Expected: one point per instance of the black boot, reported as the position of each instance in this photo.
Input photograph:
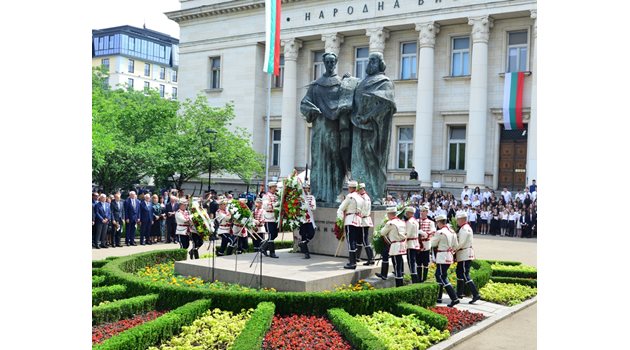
(415, 278)
(196, 253)
(352, 262)
(307, 255)
(384, 270)
(460, 288)
(190, 253)
(440, 292)
(272, 250)
(452, 294)
(474, 291)
(229, 250)
(359, 249)
(263, 248)
(370, 256)
(399, 282)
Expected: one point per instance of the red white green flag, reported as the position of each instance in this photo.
(272, 37)
(513, 101)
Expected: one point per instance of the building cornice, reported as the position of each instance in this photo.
(218, 9)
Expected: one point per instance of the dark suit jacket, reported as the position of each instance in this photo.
(169, 208)
(146, 212)
(131, 213)
(101, 211)
(118, 214)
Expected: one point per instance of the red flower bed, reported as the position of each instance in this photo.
(303, 332)
(108, 330)
(458, 319)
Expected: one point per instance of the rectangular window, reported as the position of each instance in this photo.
(408, 61)
(146, 86)
(111, 41)
(161, 90)
(174, 76)
(275, 147)
(405, 147)
(215, 72)
(318, 64)
(132, 47)
(130, 68)
(147, 69)
(162, 73)
(360, 61)
(130, 83)
(517, 51)
(278, 81)
(105, 62)
(460, 57)
(174, 93)
(457, 148)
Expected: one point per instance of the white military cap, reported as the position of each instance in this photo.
(183, 201)
(272, 183)
(362, 185)
(461, 215)
(279, 184)
(440, 217)
(424, 208)
(410, 209)
(391, 210)
(259, 200)
(352, 184)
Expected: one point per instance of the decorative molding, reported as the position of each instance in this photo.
(218, 9)
(481, 28)
(451, 113)
(498, 113)
(291, 48)
(428, 32)
(377, 36)
(332, 42)
(534, 15)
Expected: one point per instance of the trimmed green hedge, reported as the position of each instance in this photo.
(433, 319)
(523, 281)
(125, 308)
(161, 329)
(99, 263)
(356, 333)
(97, 271)
(504, 262)
(122, 271)
(252, 336)
(110, 258)
(108, 293)
(98, 281)
(480, 274)
(507, 272)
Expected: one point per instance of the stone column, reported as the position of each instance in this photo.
(332, 42)
(478, 103)
(423, 134)
(532, 132)
(377, 38)
(289, 106)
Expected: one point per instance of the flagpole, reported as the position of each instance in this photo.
(268, 131)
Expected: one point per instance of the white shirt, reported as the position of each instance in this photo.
(475, 204)
(520, 196)
(472, 216)
(507, 196)
(486, 195)
(465, 192)
(512, 217)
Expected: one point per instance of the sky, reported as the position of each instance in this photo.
(136, 13)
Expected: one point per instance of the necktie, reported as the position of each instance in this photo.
(133, 202)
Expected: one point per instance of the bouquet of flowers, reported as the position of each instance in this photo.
(291, 213)
(241, 215)
(338, 229)
(201, 221)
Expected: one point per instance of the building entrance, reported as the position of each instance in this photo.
(512, 159)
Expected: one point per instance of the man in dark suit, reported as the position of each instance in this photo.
(132, 217)
(94, 239)
(146, 220)
(171, 225)
(103, 216)
(118, 216)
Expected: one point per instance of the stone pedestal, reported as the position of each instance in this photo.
(325, 242)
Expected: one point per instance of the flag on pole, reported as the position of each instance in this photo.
(272, 37)
(513, 101)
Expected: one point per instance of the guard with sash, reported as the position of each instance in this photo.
(445, 242)
(393, 234)
(413, 245)
(307, 228)
(427, 230)
(259, 224)
(464, 254)
(241, 234)
(366, 223)
(271, 221)
(224, 219)
(350, 212)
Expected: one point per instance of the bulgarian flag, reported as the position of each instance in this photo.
(272, 37)
(513, 101)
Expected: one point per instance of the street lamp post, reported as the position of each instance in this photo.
(214, 135)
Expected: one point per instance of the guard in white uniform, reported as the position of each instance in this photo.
(464, 254)
(445, 242)
(271, 221)
(427, 230)
(307, 228)
(259, 224)
(224, 219)
(183, 220)
(350, 212)
(413, 245)
(366, 223)
(393, 234)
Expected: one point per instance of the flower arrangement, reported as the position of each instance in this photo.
(241, 214)
(506, 293)
(298, 332)
(290, 208)
(458, 319)
(361, 285)
(214, 330)
(338, 229)
(201, 221)
(108, 330)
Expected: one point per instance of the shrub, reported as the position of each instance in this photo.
(98, 281)
(252, 336)
(523, 281)
(354, 331)
(503, 262)
(97, 271)
(99, 263)
(506, 294)
(158, 330)
(105, 293)
(520, 271)
(124, 308)
(431, 318)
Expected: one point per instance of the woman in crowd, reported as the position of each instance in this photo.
(157, 218)
(495, 222)
(163, 221)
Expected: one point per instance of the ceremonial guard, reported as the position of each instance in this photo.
(445, 242)
(259, 224)
(464, 254)
(271, 221)
(350, 212)
(413, 245)
(366, 223)
(393, 234)
(240, 233)
(224, 219)
(182, 218)
(307, 228)
(427, 230)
